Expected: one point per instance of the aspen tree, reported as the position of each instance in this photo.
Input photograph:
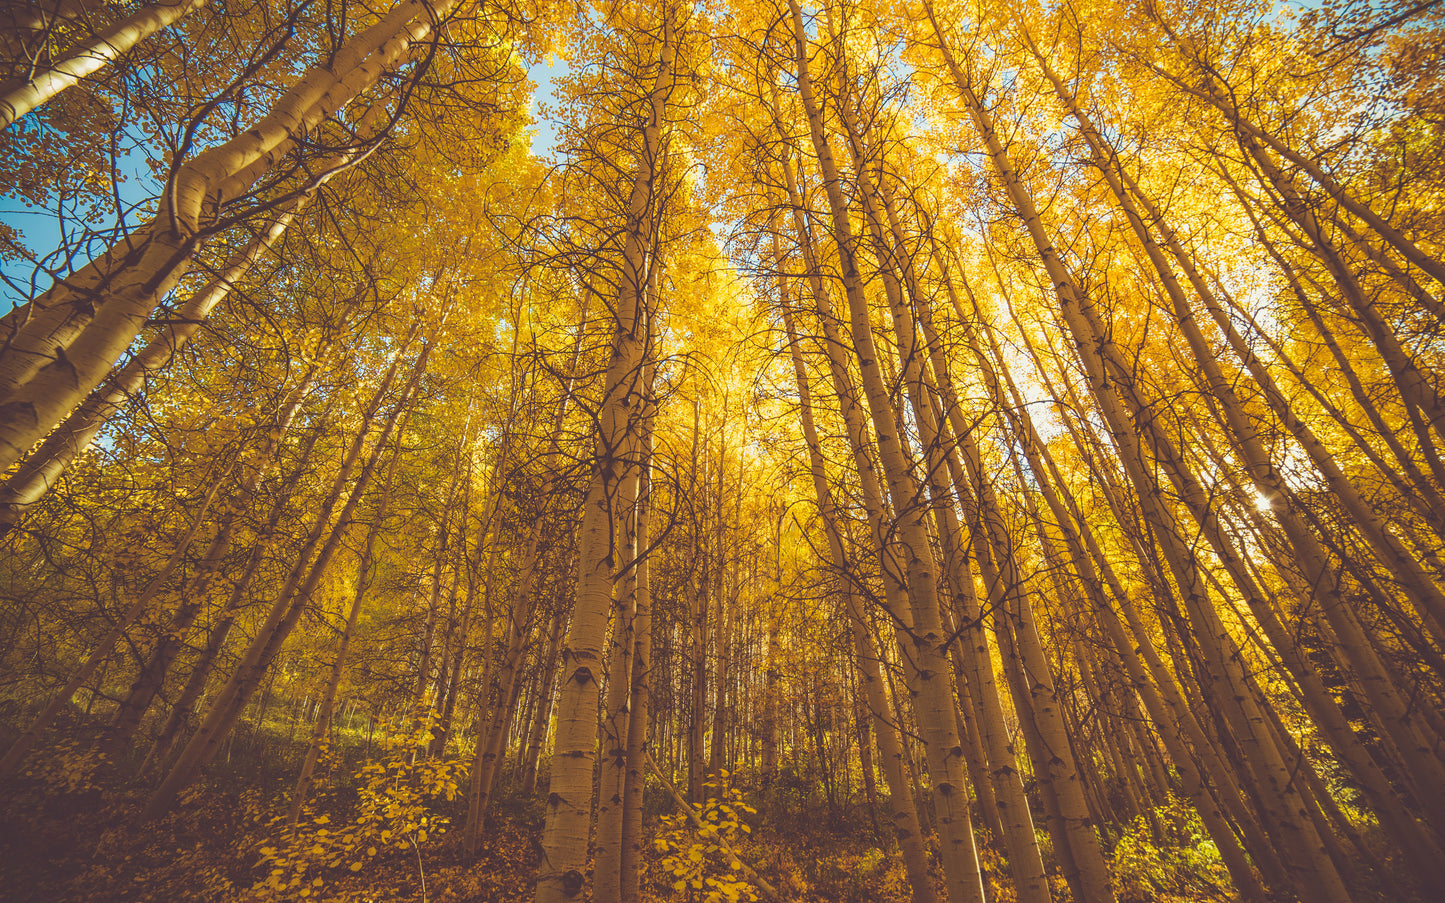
(293, 597)
(640, 693)
(536, 736)
(90, 57)
(444, 534)
(180, 714)
(61, 344)
(906, 826)
(20, 748)
(45, 466)
(615, 728)
(322, 728)
(1318, 570)
(1238, 786)
(520, 605)
(570, 804)
(928, 663)
(699, 641)
(1025, 858)
(193, 592)
(1168, 709)
(890, 569)
(1312, 871)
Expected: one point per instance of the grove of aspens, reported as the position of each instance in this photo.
(947, 451)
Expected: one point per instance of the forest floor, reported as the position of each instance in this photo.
(70, 833)
(88, 844)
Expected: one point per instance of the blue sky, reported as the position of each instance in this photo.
(545, 141)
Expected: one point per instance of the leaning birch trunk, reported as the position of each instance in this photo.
(1025, 857)
(926, 661)
(895, 594)
(89, 58)
(1167, 709)
(45, 466)
(854, 419)
(289, 603)
(322, 727)
(179, 718)
(569, 809)
(906, 828)
(1423, 767)
(998, 562)
(1311, 871)
(59, 346)
(193, 592)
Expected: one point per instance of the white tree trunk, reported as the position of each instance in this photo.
(61, 345)
(90, 57)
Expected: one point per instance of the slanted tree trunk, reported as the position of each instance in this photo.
(293, 597)
(89, 57)
(536, 738)
(906, 828)
(193, 592)
(321, 730)
(60, 345)
(100, 654)
(926, 662)
(179, 718)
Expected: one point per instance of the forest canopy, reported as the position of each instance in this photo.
(909, 450)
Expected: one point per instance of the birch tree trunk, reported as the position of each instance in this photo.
(48, 463)
(321, 730)
(90, 57)
(906, 828)
(291, 600)
(1310, 869)
(193, 592)
(926, 652)
(570, 804)
(100, 654)
(640, 695)
(60, 345)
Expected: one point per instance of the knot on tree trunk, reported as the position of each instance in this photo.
(572, 883)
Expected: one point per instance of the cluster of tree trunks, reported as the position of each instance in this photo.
(1103, 512)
